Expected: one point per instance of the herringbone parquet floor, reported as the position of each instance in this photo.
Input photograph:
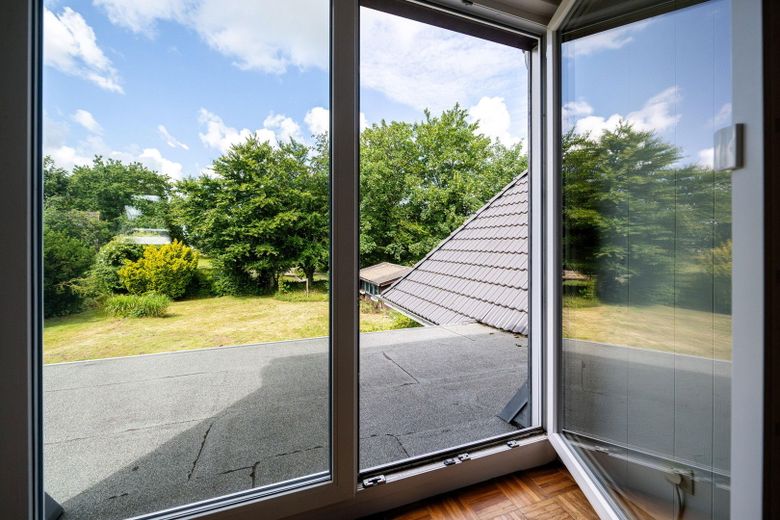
(546, 493)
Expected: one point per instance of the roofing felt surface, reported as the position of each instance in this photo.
(477, 274)
(128, 436)
(383, 272)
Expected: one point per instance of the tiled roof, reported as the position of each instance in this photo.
(477, 274)
(383, 272)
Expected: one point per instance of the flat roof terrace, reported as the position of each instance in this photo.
(129, 436)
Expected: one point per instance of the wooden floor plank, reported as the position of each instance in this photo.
(546, 493)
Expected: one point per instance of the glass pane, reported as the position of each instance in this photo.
(443, 239)
(186, 249)
(647, 261)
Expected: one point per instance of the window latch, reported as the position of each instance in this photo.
(374, 481)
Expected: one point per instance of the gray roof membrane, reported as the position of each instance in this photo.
(477, 274)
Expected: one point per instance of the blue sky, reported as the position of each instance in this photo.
(173, 83)
(670, 74)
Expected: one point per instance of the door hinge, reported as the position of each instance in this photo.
(374, 481)
(463, 457)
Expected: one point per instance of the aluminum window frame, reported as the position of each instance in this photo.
(534, 149)
(747, 280)
(20, 298)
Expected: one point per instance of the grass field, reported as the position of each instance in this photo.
(657, 327)
(200, 323)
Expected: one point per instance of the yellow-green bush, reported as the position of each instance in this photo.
(167, 270)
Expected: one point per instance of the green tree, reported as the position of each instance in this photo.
(55, 180)
(65, 259)
(420, 181)
(264, 211)
(637, 221)
(108, 186)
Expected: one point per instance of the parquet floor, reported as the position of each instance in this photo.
(546, 493)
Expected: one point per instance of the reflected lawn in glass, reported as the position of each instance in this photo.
(651, 327)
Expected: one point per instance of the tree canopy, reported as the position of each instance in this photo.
(634, 218)
(264, 211)
(420, 181)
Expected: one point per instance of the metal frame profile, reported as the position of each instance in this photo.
(20, 274)
(337, 494)
(748, 274)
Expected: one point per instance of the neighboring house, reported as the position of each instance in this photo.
(477, 274)
(150, 237)
(376, 278)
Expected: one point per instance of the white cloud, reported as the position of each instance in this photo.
(265, 36)
(426, 67)
(657, 114)
(169, 139)
(218, 135)
(607, 40)
(87, 120)
(574, 110)
(55, 134)
(277, 128)
(283, 128)
(723, 117)
(494, 119)
(153, 159)
(68, 157)
(707, 158)
(318, 121)
(70, 46)
(140, 15)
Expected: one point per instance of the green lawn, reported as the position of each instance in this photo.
(656, 327)
(201, 323)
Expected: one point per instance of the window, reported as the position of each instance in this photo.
(444, 229)
(647, 261)
(185, 252)
(80, 58)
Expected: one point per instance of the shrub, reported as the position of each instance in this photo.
(401, 321)
(148, 305)
(103, 278)
(167, 270)
(65, 259)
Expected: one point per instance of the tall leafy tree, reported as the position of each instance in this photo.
(263, 212)
(637, 221)
(420, 181)
(108, 186)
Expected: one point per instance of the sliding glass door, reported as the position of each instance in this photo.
(646, 253)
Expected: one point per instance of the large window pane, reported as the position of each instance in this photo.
(443, 239)
(186, 251)
(647, 260)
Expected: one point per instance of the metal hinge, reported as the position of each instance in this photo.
(463, 457)
(374, 481)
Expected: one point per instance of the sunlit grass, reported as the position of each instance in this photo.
(200, 323)
(657, 327)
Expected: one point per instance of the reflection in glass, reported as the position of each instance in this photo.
(647, 261)
(186, 251)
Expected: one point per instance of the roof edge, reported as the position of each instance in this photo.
(457, 230)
